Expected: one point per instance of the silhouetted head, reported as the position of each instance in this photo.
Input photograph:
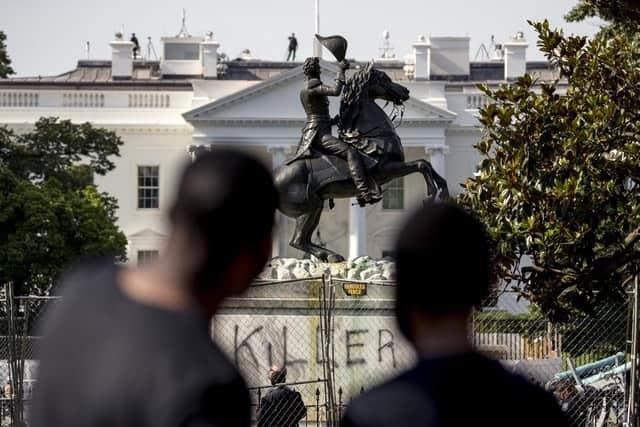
(442, 261)
(223, 215)
(277, 374)
(311, 67)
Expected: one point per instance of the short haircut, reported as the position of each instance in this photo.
(311, 66)
(442, 259)
(278, 375)
(228, 198)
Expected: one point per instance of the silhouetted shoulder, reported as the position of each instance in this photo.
(396, 403)
(542, 407)
(209, 392)
(88, 274)
(84, 284)
(453, 391)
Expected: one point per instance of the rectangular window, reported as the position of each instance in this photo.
(148, 187)
(182, 51)
(147, 256)
(393, 197)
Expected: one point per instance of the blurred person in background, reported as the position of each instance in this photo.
(132, 346)
(443, 272)
(293, 47)
(282, 406)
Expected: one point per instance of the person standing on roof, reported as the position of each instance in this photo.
(293, 47)
(136, 46)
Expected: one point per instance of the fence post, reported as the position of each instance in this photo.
(327, 305)
(325, 342)
(15, 373)
(259, 393)
(317, 407)
(633, 383)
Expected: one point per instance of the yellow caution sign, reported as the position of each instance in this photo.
(355, 289)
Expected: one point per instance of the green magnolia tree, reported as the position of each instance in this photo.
(619, 14)
(558, 186)
(5, 61)
(50, 211)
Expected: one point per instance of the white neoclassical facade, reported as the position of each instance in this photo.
(162, 108)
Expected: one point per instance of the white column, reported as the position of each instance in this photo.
(422, 59)
(279, 248)
(357, 230)
(515, 58)
(121, 59)
(437, 159)
(210, 59)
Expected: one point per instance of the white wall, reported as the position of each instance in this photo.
(155, 133)
(168, 151)
(462, 159)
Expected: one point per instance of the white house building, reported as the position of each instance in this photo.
(162, 108)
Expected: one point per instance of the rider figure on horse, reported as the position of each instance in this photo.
(317, 131)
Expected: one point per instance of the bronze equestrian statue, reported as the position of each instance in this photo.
(367, 154)
(317, 131)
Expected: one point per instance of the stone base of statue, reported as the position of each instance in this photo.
(331, 324)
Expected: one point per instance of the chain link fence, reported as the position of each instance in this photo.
(368, 348)
(283, 324)
(19, 319)
(338, 338)
(584, 362)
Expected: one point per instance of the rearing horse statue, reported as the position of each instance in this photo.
(306, 182)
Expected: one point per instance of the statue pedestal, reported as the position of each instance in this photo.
(291, 317)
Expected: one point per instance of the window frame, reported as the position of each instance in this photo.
(390, 187)
(178, 47)
(143, 187)
(150, 255)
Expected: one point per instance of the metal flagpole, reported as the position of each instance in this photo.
(317, 47)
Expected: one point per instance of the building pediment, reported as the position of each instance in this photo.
(146, 233)
(276, 100)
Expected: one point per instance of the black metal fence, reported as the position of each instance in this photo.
(282, 404)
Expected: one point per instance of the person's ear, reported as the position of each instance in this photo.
(244, 268)
(192, 248)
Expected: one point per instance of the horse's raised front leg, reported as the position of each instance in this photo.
(441, 183)
(436, 185)
(305, 226)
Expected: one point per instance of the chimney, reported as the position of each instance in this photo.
(421, 51)
(450, 56)
(121, 58)
(210, 57)
(515, 57)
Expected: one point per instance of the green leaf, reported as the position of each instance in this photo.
(50, 212)
(556, 180)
